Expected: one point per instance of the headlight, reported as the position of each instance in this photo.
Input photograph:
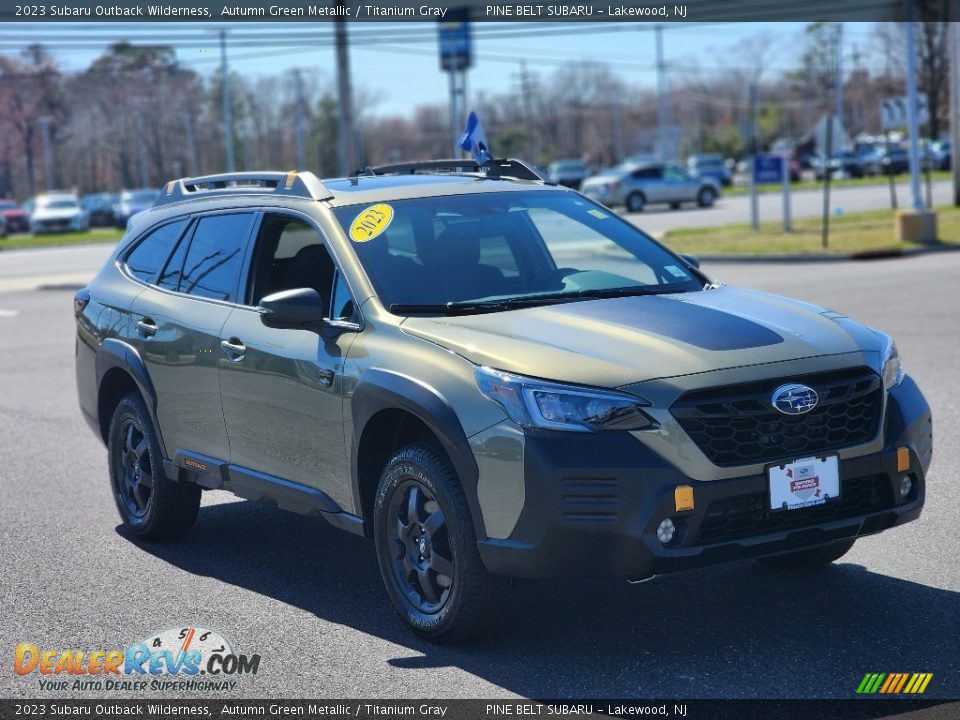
(537, 403)
(890, 367)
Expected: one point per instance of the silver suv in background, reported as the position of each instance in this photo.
(636, 186)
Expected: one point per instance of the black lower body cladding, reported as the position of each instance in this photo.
(594, 503)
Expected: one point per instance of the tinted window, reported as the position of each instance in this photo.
(290, 254)
(212, 266)
(170, 277)
(343, 308)
(151, 252)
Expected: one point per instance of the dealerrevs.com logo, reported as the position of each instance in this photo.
(186, 659)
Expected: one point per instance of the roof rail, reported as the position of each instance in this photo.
(293, 184)
(493, 169)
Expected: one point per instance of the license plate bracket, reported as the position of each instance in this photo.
(804, 482)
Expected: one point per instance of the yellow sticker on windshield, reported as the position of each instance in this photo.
(371, 222)
(598, 214)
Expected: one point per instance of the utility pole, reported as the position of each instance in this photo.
(44, 122)
(838, 49)
(346, 139)
(526, 93)
(955, 109)
(192, 141)
(663, 110)
(227, 108)
(912, 124)
(142, 149)
(754, 200)
(298, 86)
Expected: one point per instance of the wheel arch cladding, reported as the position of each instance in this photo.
(391, 410)
(120, 371)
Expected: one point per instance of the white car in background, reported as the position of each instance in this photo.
(58, 212)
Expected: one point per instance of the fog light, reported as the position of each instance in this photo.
(665, 531)
(906, 485)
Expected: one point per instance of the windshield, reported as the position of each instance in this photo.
(58, 204)
(140, 196)
(426, 253)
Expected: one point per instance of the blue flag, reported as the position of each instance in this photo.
(473, 139)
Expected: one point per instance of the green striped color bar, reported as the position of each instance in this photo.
(865, 683)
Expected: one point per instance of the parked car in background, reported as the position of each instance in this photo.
(847, 162)
(570, 173)
(58, 212)
(3, 227)
(131, 202)
(886, 161)
(636, 186)
(15, 218)
(936, 155)
(100, 208)
(710, 166)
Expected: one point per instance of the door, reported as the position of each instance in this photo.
(177, 329)
(680, 186)
(282, 389)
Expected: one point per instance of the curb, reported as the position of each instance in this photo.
(864, 255)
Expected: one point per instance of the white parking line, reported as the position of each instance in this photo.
(8, 313)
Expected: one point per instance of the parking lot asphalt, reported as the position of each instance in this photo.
(308, 598)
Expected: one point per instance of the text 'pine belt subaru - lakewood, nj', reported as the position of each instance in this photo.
(489, 376)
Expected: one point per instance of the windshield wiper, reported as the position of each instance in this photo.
(466, 307)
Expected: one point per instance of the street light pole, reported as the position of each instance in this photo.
(912, 124)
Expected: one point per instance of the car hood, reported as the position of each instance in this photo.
(621, 341)
(56, 214)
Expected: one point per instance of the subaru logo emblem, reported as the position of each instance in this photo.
(794, 399)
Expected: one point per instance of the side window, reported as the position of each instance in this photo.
(170, 277)
(212, 266)
(148, 256)
(342, 307)
(289, 254)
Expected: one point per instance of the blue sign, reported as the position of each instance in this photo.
(454, 37)
(768, 169)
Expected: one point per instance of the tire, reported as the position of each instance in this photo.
(428, 553)
(636, 202)
(152, 506)
(706, 197)
(807, 559)
(674, 206)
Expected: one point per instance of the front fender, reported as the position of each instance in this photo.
(381, 389)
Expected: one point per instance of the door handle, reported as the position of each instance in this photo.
(325, 377)
(147, 327)
(234, 349)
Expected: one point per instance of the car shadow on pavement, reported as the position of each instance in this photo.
(729, 631)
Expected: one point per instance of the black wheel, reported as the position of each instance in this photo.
(428, 552)
(674, 206)
(807, 559)
(152, 506)
(636, 202)
(706, 197)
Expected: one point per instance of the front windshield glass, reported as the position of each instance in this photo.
(140, 196)
(507, 246)
(59, 204)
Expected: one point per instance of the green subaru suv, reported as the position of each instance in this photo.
(489, 376)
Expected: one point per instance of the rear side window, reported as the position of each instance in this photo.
(150, 253)
(212, 266)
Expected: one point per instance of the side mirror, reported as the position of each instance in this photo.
(691, 261)
(298, 308)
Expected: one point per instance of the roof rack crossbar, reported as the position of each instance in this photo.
(494, 169)
(293, 184)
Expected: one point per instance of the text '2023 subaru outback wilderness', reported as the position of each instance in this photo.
(491, 377)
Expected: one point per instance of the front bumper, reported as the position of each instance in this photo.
(593, 503)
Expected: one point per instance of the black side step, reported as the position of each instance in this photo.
(214, 474)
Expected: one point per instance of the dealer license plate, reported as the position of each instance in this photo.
(803, 483)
